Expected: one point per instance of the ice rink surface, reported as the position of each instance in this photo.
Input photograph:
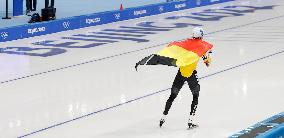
(71, 85)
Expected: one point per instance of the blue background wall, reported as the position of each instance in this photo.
(67, 8)
(42, 28)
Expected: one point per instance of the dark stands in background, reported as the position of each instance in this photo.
(7, 17)
(48, 13)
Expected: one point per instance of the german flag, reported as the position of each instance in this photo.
(184, 54)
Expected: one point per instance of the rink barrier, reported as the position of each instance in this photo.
(76, 22)
(272, 127)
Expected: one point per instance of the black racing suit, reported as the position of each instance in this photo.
(177, 85)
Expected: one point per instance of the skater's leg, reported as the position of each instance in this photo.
(195, 88)
(195, 94)
(177, 85)
(174, 93)
(194, 103)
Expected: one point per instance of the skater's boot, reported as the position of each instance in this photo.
(162, 121)
(190, 122)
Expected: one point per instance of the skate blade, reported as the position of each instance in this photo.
(161, 123)
(193, 127)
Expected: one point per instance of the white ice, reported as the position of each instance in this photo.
(230, 100)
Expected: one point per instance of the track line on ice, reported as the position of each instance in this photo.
(134, 51)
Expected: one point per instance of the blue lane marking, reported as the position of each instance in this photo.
(134, 51)
(91, 61)
(117, 105)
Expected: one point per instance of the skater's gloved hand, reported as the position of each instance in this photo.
(207, 60)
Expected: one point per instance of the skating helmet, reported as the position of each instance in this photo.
(197, 32)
